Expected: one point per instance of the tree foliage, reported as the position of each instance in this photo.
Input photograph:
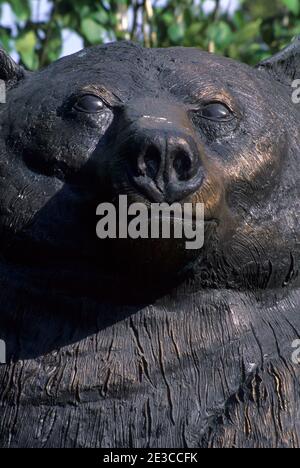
(251, 31)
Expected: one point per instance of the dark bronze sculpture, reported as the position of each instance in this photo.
(141, 343)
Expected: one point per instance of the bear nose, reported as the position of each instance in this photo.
(164, 166)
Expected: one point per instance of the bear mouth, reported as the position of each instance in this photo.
(62, 238)
(137, 268)
(29, 248)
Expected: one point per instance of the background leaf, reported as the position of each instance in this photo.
(253, 30)
(25, 45)
(91, 30)
(21, 8)
(292, 5)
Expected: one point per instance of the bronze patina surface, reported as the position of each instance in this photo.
(142, 343)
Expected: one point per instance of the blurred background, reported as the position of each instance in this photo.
(36, 32)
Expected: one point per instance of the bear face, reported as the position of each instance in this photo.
(156, 125)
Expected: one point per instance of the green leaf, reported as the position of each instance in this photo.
(195, 28)
(101, 17)
(238, 19)
(25, 46)
(292, 5)
(5, 37)
(220, 33)
(54, 45)
(21, 9)
(91, 30)
(249, 32)
(296, 30)
(168, 18)
(68, 21)
(176, 32)
(82, 10)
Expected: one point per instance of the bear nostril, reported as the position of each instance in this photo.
(152, 162)
(182, 164)
(163, 166)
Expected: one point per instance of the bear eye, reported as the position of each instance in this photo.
(89, 103)
(217, 111)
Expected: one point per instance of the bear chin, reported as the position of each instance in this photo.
(99, 267)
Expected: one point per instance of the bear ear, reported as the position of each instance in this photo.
(9, 70)
(284, 66)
